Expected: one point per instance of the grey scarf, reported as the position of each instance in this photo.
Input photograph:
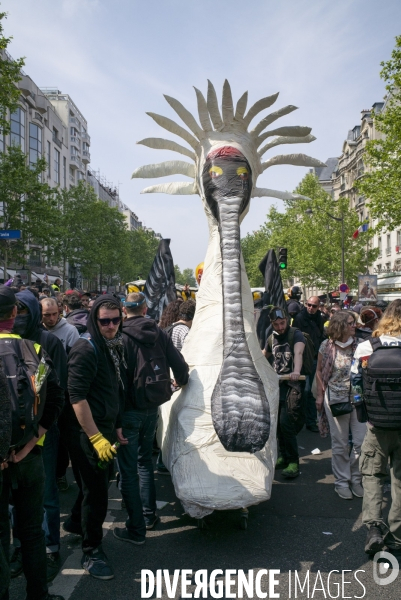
(116, 349)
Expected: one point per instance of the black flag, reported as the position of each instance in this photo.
(273, 282)
(160, 285)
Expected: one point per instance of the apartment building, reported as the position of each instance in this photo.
(350, 169)
(78, 139)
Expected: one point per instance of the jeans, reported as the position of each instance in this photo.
(310, 402)
(136, 468)
(286, 433)
(379, 445)
(51, 521)
(25, 482)
(95, 487)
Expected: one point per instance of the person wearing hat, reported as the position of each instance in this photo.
(96, 380)
(23, 474)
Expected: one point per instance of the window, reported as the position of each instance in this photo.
(17, 136)
(388, 247)
(64, 171)
(398, 238)
(35, 144)
(49, 159)
(56, 166)
(379, 245)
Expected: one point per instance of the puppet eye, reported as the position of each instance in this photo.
(215, 172)
(242, 172)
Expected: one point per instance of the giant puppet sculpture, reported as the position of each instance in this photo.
(160, 284)
(219, 432)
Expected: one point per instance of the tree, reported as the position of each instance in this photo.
(10, 74)
(26, 204)
(382, 183)
(186, 276)
(143, 249)
(313, 241)
(254, 247)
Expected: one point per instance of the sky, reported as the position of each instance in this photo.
(116, 59)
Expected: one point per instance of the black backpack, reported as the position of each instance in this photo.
(382, 385)
(26, 376)
(151, 383)
(169, 330)
(308, 356)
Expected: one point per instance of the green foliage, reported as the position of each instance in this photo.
(313, 241)
(27, 203)
(382, 183)
(186, 276)
(10, 74)
(143, 249)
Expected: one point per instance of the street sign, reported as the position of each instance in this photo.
(343, 295)
(344, 288)
(10, 234)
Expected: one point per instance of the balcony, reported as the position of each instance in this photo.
(76, 162)
(57, 141)
(86, 137)
(72, 178)
(74, 121)
(75, 141)
(388, 250)
(342, 188)
(36, 262)
(86, 157)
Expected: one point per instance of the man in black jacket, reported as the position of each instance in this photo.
(96, 373)
(311, 321)
(24, 476)
(140, 419)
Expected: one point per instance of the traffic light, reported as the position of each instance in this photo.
(282, 258)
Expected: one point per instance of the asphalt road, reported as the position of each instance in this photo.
(304, 527)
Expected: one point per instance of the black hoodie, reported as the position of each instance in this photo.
(92, 375)
(141, 330)
(313, 325)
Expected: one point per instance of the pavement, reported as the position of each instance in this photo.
(304, 528)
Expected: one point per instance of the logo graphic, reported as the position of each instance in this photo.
(388, 565)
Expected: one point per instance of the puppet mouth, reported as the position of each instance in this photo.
(240, 409)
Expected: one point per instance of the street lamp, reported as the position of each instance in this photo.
(309, 211)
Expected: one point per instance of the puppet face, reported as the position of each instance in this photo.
(226, 174)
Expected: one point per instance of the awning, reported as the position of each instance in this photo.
(51, 278)
(389, 285)
(10, 273)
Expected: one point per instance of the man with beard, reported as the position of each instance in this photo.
(286, 347)
(311, 321)
(96, 380)
(57, 324)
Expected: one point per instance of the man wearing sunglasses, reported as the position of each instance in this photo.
(311, 321)
(286, 347)
(96, 380)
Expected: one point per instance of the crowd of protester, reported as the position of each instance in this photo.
(102, 349)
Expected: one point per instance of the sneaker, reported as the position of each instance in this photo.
(344, 492)
(291, 471)
(162, 470)
(72, 527)
(96, 564)
(374, 540)
(313, 428)
(62, 483)
(16, 563)
(281, 463)
(53, 565)
(122, 533)
(357, 490)
(151, 521)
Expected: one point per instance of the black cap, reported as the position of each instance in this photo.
(7, 298)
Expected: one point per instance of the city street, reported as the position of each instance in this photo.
(304, 527)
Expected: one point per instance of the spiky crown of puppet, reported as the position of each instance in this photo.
(224, 129)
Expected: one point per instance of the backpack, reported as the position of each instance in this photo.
(308, 356)
(382, 385)
(169, 330)
(151, 381)
(26, 376)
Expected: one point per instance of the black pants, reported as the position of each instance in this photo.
(286, 431)
(25, 482)
(95, 486)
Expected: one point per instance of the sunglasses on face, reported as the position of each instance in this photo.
(106, 322)
(312, 305)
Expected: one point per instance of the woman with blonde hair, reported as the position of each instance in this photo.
(383, 437)
(333, 397)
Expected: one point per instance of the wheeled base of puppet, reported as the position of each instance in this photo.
(243, 520)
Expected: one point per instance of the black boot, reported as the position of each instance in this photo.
(374, 540)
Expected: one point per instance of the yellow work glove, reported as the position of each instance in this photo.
(104, 449)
